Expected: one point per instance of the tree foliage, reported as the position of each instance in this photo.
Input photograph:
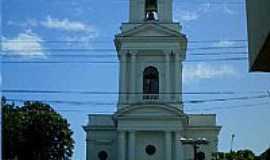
(265, 155)
(236, 155)
(35, 131)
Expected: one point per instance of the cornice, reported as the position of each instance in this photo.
(98, 127)
(215, 128)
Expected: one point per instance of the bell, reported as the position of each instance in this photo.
(151, 5)
(151, 16)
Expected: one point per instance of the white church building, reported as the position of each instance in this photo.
(150, 121)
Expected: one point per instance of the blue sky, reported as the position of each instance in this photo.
(47, 25)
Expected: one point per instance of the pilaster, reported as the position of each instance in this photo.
(167, 77)
(168, 145)
(131, 145)
(123, 78)
(132, 93)
(121, 145)
(179, 150)
(177, 77)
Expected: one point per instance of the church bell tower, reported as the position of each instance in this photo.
(151, 49)
(150, 10)
(149, 122)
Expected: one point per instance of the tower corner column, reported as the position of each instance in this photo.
(121, 145)
(179, 150)
(133, 78)
(131, 145)
(177, 78)
(167, 78)
(168, 145)
(123, 78)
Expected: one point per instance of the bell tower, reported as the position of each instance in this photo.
(149, 122)
(151, 49)
(150, 10)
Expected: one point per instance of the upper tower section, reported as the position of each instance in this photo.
(143, 11)
(150, 48)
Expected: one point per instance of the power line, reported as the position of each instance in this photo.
(246, 106)
(112, 55)
(110, 49)
(107, 41)
(165, 102)
(191, 2)
(115, 62)
(32, 91)
(187, 110)
(231, 107)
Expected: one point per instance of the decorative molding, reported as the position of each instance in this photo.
(101, 141)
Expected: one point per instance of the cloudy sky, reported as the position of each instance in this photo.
(43, 30)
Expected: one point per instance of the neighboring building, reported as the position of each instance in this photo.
(149, 121)
(258, 18)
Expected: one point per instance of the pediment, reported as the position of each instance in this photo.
(150, 30)
(149, 111)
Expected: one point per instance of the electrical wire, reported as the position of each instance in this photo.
(32, 91)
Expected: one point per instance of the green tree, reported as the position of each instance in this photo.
(245, 155)
(235, 155)
(35, 131)
(265, 155)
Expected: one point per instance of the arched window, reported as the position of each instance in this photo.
(102, 155)
(151, 10)
(150, 83)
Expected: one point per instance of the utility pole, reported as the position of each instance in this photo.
(195, 143)
(233, 136)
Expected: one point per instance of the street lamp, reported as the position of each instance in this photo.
(233, 136)
(195, 144)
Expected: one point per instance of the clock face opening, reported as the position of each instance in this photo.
(150, 149)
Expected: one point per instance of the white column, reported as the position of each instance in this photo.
(179, 150)
(123, 80)
(121, 145)
(131, 145)
(168, 145)
(167, 78)
(88, 151)
(133, 77)
(177, 78)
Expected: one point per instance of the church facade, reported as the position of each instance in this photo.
(150, 121)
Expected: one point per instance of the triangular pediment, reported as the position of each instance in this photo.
(150, 30)
(149, 111)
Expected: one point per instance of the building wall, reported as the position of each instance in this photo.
(101, 140)
(258, 24)
(202, 132)
(154, 138)
(102, 135)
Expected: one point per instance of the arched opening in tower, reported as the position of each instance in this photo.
(151, 10)
(150, 83)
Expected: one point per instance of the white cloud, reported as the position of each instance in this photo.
(224, 44)
(67, 25)
(27, 23)
(25, 44)
(191, 15)
(84, 41)
(206, 71)
(55, 23)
